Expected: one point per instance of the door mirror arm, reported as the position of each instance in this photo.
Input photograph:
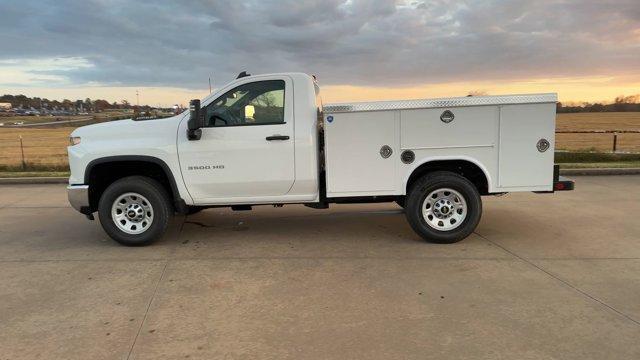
(196, 121)
(194, 134)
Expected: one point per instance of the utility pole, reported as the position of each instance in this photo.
(24, 163)
(137, 99)
(209, 84)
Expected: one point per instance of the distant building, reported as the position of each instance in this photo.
(5, 106)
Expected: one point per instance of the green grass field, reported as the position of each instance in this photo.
(15, 174)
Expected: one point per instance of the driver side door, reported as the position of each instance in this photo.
(246, 151)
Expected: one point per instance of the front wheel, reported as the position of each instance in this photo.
(134, 211)
(443, 207)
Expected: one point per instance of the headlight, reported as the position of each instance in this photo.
(74, 140)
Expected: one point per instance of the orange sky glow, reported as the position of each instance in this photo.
(579, 89)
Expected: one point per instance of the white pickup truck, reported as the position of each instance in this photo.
(267, 140)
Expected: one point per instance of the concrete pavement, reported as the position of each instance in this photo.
(544, 276)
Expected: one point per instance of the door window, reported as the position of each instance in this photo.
(256, 103)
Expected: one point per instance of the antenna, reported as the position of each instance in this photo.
(209, 84)
(243, 74)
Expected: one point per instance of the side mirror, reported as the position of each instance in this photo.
(195, 123)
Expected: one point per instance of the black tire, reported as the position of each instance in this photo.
(440, 180)
(156, 196)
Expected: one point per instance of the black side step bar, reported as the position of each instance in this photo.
(241, 207)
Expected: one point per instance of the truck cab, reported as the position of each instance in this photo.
(266, 139)
(257, 143)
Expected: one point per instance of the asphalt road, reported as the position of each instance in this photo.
(544, 276)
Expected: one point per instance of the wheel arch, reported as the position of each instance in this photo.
(468, 167)
(101, 172)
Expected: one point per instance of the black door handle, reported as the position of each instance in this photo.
(277, 137)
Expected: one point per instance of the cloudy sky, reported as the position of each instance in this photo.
(359, 49)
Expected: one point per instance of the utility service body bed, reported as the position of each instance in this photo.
(372, 148)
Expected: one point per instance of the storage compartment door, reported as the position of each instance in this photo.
(352, 151)
(521, 163)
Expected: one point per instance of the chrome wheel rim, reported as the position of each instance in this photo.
(444, 209)
(132, 213)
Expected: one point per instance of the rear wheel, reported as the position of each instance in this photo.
(134, 211)
(443, 207)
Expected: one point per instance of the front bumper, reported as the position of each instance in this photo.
(79, 198)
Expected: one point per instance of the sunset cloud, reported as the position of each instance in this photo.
(364, 43)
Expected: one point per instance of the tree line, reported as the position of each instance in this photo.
(25, 102)
(620, 104)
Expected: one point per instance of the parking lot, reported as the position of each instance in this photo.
(544, 276)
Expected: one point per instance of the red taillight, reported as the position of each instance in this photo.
(559, 186)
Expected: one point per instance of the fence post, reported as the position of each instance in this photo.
(615, 142)
(24, 164)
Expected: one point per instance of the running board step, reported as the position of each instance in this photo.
(241, 207)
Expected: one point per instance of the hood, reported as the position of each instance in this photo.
(128, 128)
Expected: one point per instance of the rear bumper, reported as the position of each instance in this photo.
(79, 198)
(561, 183)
